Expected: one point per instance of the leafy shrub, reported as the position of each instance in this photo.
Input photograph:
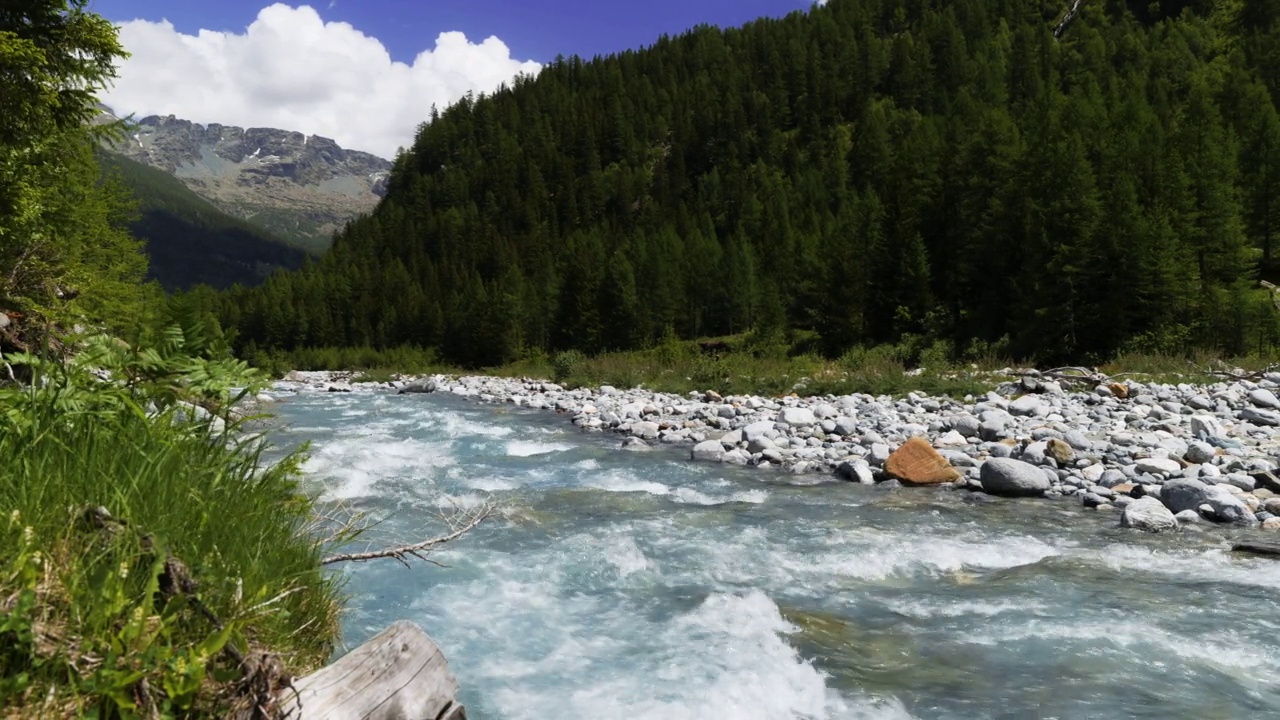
(102, 620)
(564, 364)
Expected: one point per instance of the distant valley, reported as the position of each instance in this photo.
(190, 241)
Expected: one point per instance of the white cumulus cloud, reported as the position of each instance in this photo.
(290, 69)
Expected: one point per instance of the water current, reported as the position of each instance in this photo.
(637, 584)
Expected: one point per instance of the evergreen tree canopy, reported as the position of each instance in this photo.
(864, 170)
(64, 251)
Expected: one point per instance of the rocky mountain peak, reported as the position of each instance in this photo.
(181, 146)
(299, 186)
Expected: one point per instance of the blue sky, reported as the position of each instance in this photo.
(367, 72)
(532, 29)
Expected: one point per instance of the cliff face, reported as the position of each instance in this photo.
(302, 188)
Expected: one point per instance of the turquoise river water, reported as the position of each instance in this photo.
(622, 584)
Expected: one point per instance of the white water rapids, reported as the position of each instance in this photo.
(624, 584)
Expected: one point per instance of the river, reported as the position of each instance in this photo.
(636, 584)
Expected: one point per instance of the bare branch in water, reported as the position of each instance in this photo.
(460, 522)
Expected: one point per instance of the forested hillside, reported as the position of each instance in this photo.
(191, 242)
(869, 169)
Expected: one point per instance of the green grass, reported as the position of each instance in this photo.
(744, 365)
(376, 363)
(1196, 368)
(681, 367)
(86, 624)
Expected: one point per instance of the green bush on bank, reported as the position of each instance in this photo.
(775, 366)
(763, 365)
(406, 359)
(96, 619)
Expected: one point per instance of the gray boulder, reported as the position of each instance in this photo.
(1148, 514)
(1180, 495)
(858, 471)
(1200, 452)
(1227, 507)
(709, 451)
(1006, 476)
(967, 425)
(1077, 440)
(846, 426)
(1206, 428)
(1270, 418)
(1240, 480)
(991, 430)
(1264, 398)
(649, 431)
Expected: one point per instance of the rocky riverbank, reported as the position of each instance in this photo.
(1159, 455)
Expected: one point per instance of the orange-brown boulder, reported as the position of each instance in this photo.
(917, 463)
(1119, 390)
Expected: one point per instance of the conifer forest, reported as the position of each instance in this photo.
(1059, 182)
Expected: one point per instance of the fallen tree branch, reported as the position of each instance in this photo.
(1233, 375)
(461, 523)
(1068, 374)
(1094, 377)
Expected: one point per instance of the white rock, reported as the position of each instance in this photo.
(879, 453)
(1093, 473)
(846, 426)
(1159, 466)
(1189, 517)
(1206, 427)
(797, 417)
(1148, 514)
(757, 429)
(1027, 405)
(648, 430)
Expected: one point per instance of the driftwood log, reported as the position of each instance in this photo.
(398, 675)
(1257, 548)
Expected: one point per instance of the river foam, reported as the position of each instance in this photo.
(616, 584)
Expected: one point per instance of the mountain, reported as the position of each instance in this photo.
(987, 176)
(297, 187)
(188, 240)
